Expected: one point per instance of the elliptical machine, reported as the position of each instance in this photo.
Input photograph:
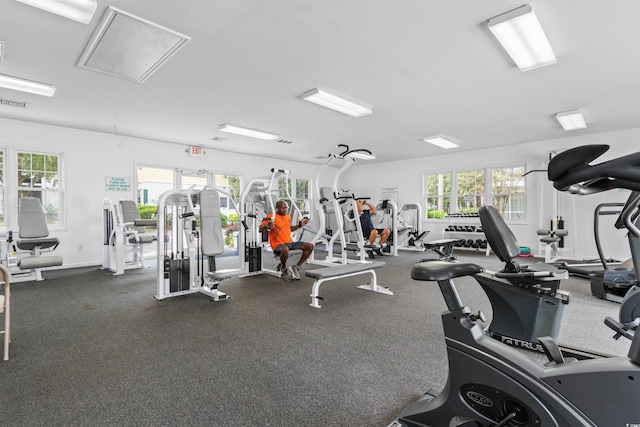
(493, 384)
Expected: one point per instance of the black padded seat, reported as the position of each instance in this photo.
(443, 270)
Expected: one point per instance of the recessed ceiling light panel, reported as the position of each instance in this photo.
(23, 85)
(238, 130)
(361, 154)
(129, 47)
(441, 142)
(77, 10)
(521, 35)
(571, 120)
(334, 102)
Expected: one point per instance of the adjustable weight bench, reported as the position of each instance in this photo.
(325, 274)
(443, 247)
(551, 240)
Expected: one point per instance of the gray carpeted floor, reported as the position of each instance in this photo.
(92, 349)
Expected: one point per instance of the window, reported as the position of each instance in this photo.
(438, 195)
(507, 192)
(465, 192)
(39, 177)
(231, 184)
(470, 191)
(229, 216)
(152, 182)
(299, 190)
(302, 196)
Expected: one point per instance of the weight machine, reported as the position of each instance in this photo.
(341, 207)
(189, 239)
(406, 230)
(410, 234)
(34, 240)
(124, 236)
(257, 203)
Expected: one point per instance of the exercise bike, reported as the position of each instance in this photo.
(493, 384)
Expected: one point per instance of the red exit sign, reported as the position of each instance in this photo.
(195, 151)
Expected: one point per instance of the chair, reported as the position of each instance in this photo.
(4, 307)
(34, 237)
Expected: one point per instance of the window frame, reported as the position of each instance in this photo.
(480, 197)
(426, 197)
(523, 193)
(487, 194)
(16, 189)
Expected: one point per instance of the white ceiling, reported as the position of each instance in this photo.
(425, 67)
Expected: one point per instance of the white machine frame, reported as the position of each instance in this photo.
(348, 208)
(253, 217)
(23, 258)
(178, 236)
(118, 253)
(5, 306)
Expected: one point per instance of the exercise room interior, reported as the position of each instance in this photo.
(145, 144)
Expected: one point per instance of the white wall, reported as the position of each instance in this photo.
(406, 175)
(89, 157)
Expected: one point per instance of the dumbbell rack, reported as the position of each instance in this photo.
(468, 230)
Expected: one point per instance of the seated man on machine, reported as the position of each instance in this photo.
(369, 231)
(280, 229)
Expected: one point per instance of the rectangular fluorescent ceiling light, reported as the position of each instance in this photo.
(522, 37)
(326, 99)
(360, 155)
(16, 83)
(78, 10)
(128, 47)
(441, 142)
(247, 132)
(571, 120)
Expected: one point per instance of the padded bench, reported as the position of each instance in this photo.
(443, 247)
(340, 271)
(31, 263)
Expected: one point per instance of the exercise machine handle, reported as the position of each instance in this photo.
(630, 213)
(525, 274)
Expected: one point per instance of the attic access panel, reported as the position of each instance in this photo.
(129, 47)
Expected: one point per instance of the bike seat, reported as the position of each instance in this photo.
(443, 270)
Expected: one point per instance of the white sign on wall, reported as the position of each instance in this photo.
(116, 183)
(390, 193)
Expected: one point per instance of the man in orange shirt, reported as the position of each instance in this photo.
(280, 229)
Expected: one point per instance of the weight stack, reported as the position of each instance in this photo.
(178, 275)
(253, 255)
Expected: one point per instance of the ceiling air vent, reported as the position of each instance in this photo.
(10, 103)
(129, 47)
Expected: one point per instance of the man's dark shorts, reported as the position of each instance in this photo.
(291, 246)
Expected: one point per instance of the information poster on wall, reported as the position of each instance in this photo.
(117, 183)
(390, 193)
